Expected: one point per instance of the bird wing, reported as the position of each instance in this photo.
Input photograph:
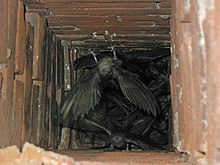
(84, 62)
(136, 91)
(83, 97)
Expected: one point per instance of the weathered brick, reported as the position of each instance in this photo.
(20, 50)
(9, 155)
(34, 113)
(28, 82)
(39, 25)
(3, 30)
(31, 153)
(18, 113)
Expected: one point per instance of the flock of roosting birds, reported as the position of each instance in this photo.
(121, 102)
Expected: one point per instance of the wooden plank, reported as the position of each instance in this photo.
(2, 107)
(92, 18)
(49, 117)
(52, 115)
(40, 116)
(59, 96)
(42, 104)
(18, 113)
(31, 1)
(116, 29)
(72, 58)
(60, 92)
(120, 31)
(34, 113)
(39, 25)
(101, 1)
(8, 92)
(20, 40)
(55, 126)
(129, 37)
(47, 123)
(107, 23)
(83, 5)
(152, 43)
(72, 26)
(106, 12)
(8, 73)
(49, 58)
(28, 82)
(59, 65)
(67, 71)
(1, 81)
(3, 30)
(54, 106)
(12, 24)
(2, 103)
(213, 82)
(105, 46)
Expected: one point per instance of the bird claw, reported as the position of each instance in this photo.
(94, 55)
(112, 148)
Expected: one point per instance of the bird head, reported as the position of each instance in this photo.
(105, 68)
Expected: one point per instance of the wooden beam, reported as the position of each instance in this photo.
(102, 31)
(8, 73)
(3, 30)
(106, 11)
(28, 82)
(20, 40)
(93, 25)
(39, 25)
(92, 5)
(94, 1)
(102, 18)
(120, 36)
(18, 113)
(34, 113)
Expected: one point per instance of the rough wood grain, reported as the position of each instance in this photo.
(8, 73)
(28, 82)
(39, 25)
(20, 51)
(34, 113)
(2, 107)
(3, 30)
(71, 17)
(18, 113)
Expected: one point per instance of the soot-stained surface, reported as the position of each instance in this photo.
(134, 158)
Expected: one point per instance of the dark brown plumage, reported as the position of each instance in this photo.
(86, 93)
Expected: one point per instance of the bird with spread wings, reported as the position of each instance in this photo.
(86, 93)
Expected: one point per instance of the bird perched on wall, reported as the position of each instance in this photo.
(105, 69)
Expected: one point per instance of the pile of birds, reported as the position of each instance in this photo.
(121, 102)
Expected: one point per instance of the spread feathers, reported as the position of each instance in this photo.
(86, 93)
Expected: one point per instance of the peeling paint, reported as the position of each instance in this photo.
(178, 143)
(176, 62)
(9, 53)
(176, 128)
(180, 93)
(175, 59)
